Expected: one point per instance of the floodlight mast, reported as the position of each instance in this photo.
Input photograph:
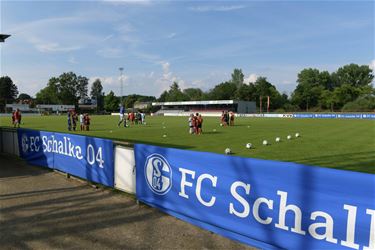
(121, 80)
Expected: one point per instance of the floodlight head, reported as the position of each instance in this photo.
(121, 68)
(3, 37)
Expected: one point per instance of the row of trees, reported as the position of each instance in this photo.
(229, 90)
(349, 88)
(338, 90)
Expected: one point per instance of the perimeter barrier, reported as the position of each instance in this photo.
(262, 203)
(313, 115)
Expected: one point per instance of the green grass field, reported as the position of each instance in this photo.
(335, 143)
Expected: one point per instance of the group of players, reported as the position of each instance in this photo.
(227, 118)
(84, 120)
(195, 124)
(16, 118)
(131, 118)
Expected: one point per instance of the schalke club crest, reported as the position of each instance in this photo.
(158, 174)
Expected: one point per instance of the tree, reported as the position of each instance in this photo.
(223, 91)
(71, 88)
(68, 88)
(24, 96)
(237, 77)
(354, 75)
(163, 96)
(264, 88)
(130, 100)
(49, 94)
(328, 100)
(346, 93)
(8, 91)
(246, 92)
(97, 93)
(361, 104)
(175, 94)
(325, 80)
(111, 102)
(309, 88)
(193, 94)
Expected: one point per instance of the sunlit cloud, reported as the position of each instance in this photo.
(221, 8)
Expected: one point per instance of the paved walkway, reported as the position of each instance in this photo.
(41, 209)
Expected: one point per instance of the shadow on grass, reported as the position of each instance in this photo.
(355, 161)
(160, 144)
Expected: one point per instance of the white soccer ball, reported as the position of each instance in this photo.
(110, 131)
(277, 139)
(265, 142)
(289, 137)
(249, 145)
(164, 127)
(228, 151)
(297, 134)
(214, 130)
(221, 124)
(164, 136)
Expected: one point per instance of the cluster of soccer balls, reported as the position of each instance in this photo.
(265, 143)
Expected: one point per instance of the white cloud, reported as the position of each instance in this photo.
(49, 35)
(110, 52)
(171, 35)
(124, 79)
(72, 60)
(168, 78)
(372, 65)
(134, 2)
(221, 8)
(251, 78)
(51, 46)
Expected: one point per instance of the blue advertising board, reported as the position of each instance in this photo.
(86, 157)
(325, 116)
(266, 204)
(349, 116)
(333, 116)
(303, 115)
(31, 147)
(368, 116)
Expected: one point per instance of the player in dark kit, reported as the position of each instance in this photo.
(199, 124)
(69, 120)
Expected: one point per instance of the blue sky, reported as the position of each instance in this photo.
(197, 43)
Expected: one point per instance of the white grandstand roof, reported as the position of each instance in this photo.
(194, 103)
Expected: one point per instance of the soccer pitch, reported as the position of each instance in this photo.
(335, 143)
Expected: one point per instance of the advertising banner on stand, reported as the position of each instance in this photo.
(266, 204)
(82, 156)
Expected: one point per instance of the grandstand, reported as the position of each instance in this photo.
(208, 108)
